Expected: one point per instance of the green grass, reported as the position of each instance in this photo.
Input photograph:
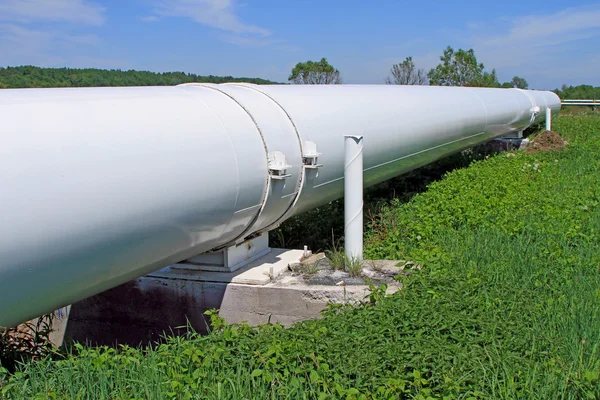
(340, 261)
(354, 266)
(337, 259)
(506, 305)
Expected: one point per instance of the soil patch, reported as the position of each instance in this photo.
(546, 141)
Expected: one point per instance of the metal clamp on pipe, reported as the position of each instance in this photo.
(278, 165)
(311, 155)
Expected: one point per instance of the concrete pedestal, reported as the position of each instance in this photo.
(140, 311)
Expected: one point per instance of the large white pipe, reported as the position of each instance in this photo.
(102, 185)
(353, 197)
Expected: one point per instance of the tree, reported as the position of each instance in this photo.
(515, 83)
(315, 73)
(461, 68)
(406, 73)
(519, 83)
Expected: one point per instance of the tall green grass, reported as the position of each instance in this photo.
(506, 305)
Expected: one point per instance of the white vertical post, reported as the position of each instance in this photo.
(548, 119)
(353, 197)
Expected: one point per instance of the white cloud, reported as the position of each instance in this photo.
(78, 11)
(220, 14)
(543, 47)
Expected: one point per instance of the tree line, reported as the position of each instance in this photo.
(36, 77)
(583, 92)
(456, 68)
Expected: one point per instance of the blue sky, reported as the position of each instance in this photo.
(548, 43)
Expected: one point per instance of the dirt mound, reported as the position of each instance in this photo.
(547, 141)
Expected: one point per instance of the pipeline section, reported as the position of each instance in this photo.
(99, 186)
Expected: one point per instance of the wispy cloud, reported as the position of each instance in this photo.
(248, 41)
(376, 70)
(220, 14)
(78, 11)
(85, 40)
(564, 26)
(21, 45)
(99, 62)
(23, 40)
(149, 18)
(540, 45)
(21, 36)
(547, 49)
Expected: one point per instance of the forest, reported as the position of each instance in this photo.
(36, 77)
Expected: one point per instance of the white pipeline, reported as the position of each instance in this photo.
(101, 185)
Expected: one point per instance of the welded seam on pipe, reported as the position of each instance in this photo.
(533, 106)
(485, 112)
(246, 231)
(301, 181)
(237, 171)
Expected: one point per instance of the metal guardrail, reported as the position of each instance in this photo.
(580, 102)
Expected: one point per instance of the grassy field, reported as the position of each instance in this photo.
(506, 305)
